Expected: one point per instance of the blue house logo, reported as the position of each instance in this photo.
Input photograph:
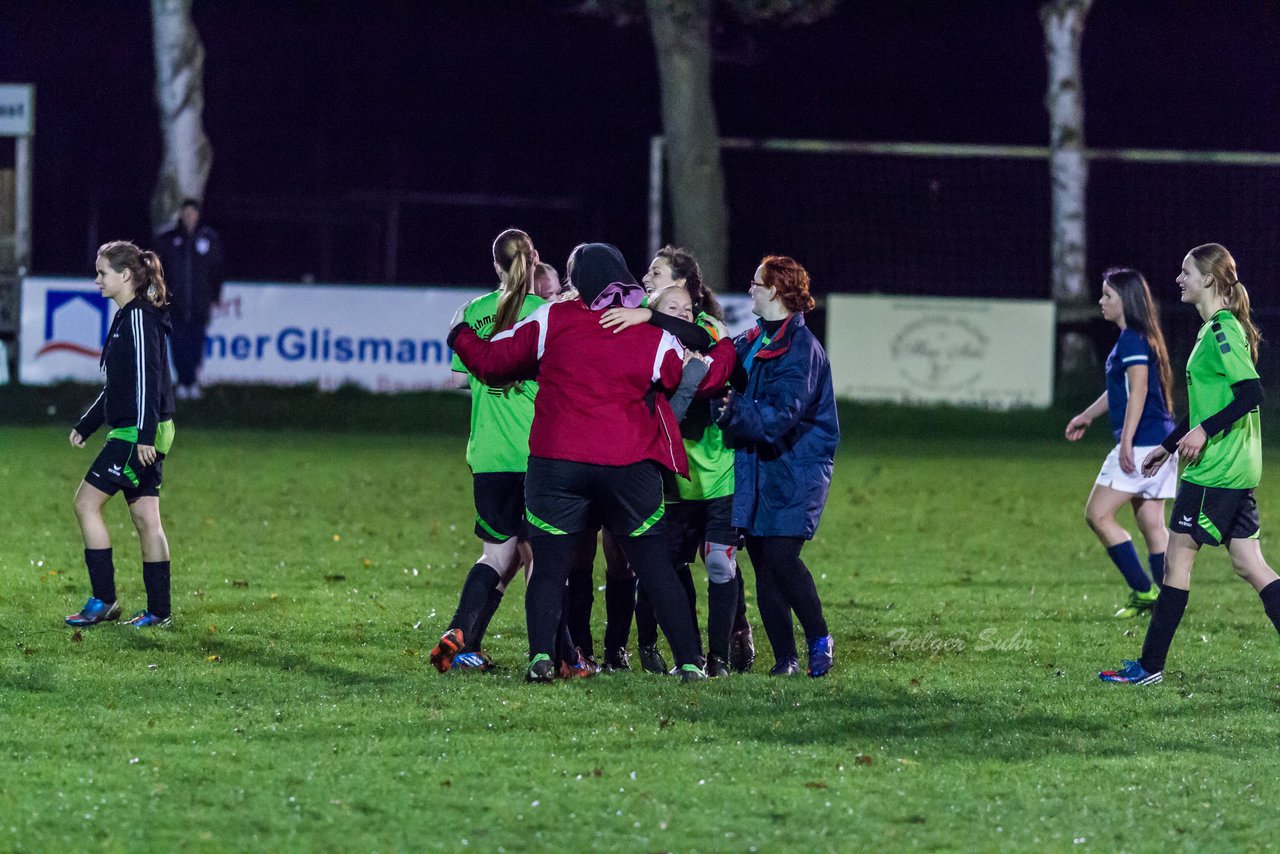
(75, 322)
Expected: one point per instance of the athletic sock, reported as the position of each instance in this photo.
(155, 577)
(722, 601)
(1270, 596)
(1165, 616)
(1125, 557)
(685, 574)
(740, 618)
(579, 597)
(1156, 562)
(481, 581)
(481, 625)
(102, 573)
(646, 622)
(619, 607)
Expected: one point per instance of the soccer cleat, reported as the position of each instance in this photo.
(1133, 673)
(1139, 602)
(147, 620)
(94, 611)
(541, 669)
(616, 659)
(822, 654)
(786, 667)
(716, 666)
(576, 667)
(742, 650)
(651, 660)
(442, 655)
(692, 673)
(476, 662)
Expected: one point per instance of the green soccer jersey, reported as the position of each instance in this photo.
(1220, 359)
(710, 462)
(500, 417)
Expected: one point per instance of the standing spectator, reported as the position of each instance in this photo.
(191, 253)
(781, 420)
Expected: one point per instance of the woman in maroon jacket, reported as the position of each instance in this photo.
(602, 432)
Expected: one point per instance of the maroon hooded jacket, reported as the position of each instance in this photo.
(596, 398)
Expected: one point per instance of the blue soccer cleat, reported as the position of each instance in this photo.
(1132, 673)
(822, 654)
(474, 661)
(94, 611)
(146, 620)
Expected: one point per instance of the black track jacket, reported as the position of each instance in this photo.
(135, 357)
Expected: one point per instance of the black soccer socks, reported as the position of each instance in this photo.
(1166, 614)
(102, 573)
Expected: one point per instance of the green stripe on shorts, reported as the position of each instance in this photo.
(541, 525)
(650, 522)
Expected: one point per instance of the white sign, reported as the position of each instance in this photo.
(380, 338)
(17, 109)
(983, 352)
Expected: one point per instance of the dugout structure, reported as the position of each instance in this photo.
(975, 220)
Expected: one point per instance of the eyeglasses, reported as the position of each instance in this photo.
(756, 284)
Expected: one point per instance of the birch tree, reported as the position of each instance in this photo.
(179, 56)
(1063, 22)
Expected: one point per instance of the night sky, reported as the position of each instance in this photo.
(308, 103)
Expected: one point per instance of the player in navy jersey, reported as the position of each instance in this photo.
(1137, 400)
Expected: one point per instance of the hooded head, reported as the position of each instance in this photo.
(602, 279)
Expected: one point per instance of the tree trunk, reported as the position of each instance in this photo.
(188, 156)
(695, 181)
(1063, 22)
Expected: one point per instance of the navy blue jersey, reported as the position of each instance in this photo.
(1156, 422)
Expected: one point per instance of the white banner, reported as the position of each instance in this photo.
(381, 338)
(17, 109)
(985, 352)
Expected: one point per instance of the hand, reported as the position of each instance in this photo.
(619, 319)
(457, 315)
(1126, 458)
(720, 408)
(1076, 427)
(1192, 445)
(146, 454)
(77, 441)
(1154, 461)
(690, 355)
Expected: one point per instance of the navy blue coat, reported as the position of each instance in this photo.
(783, 426)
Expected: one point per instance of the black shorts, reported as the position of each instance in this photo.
(1213, 516)
(564, 497)
(117, 469)
(691, 523)
(499, 500)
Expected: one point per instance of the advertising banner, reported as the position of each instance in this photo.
(982, 352)
(378, 337)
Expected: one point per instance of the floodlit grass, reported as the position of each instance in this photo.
(292, 706)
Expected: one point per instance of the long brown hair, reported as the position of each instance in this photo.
(1141, 315)
(684, 266)
(1213, 260)
(513, 253)
(143, 265)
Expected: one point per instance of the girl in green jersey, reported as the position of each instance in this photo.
(1223, 452)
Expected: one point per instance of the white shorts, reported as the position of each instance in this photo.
(1163, 485)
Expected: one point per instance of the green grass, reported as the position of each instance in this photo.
(292, 707)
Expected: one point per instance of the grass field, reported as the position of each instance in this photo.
(292, 706)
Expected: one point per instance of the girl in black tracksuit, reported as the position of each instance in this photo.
(137, 404)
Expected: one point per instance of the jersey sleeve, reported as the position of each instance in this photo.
(93, 416)
(508, 356)
(146, 341)
(1233, 349)
(1132, 349)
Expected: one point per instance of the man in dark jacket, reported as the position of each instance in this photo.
(192, 256)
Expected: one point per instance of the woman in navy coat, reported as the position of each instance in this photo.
(781, 419)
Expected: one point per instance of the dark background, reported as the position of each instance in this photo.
(317, 110)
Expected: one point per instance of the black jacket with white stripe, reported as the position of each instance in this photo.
(135, 357)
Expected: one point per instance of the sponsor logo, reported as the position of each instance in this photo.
(941, 353)
(1185, 520)
(75, 322)
(114, 469)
